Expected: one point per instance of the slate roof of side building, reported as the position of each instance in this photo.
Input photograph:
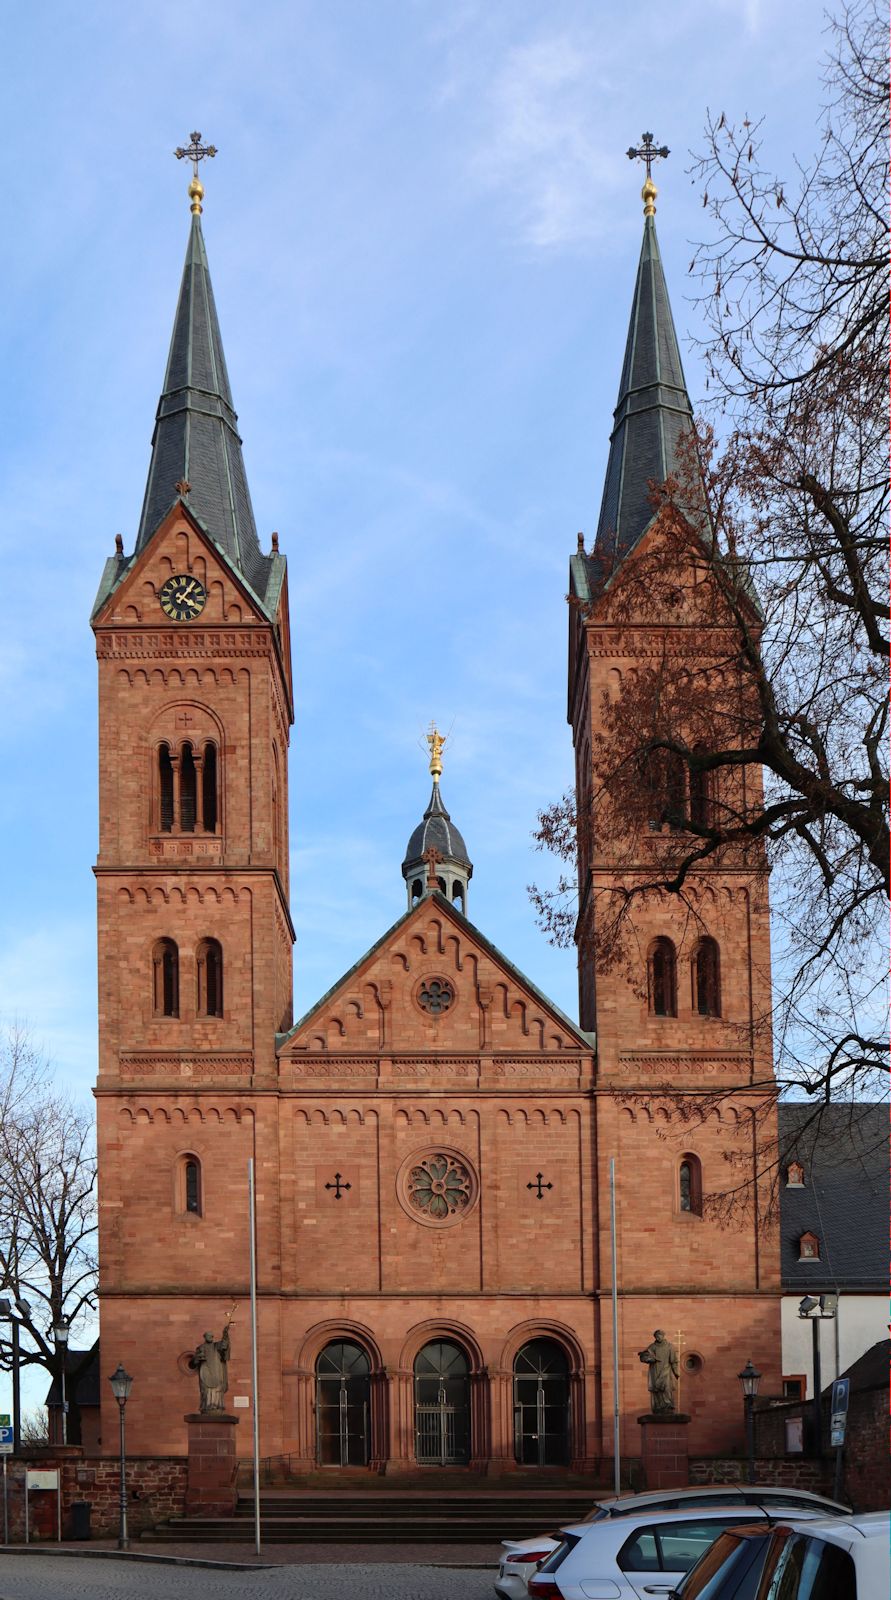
(844, 1201)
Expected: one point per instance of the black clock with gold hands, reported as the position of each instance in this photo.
(182, 597)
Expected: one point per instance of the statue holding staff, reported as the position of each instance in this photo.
(210, 1361)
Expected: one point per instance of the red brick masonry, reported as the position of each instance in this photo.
(664, 1450)
(210, 1489)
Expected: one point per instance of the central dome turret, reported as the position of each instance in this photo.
(436, 849)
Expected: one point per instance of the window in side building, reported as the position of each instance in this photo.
(808, 1247)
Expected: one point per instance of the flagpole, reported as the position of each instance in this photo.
(617, 1459)
(252, 1220)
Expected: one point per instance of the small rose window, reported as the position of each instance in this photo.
(435, 996)
(439, 1187)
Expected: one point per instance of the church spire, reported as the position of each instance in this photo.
(196, 447)
(653, 410)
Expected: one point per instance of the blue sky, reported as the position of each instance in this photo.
(423, 232)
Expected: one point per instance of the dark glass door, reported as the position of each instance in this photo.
(342, 1396)
(442, 1405)
(541, 1404)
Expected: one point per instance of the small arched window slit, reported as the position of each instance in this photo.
(165, 979)
(663, 979)
(209, 969)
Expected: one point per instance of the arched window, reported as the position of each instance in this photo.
(700, 795)
(707, 979)
(192, 1185)
(663, 775)
(209, 964)
(165, 979)
(189, 1189)
(441, 885)
(188, 790)
(458, 895)
(209, 805)
(663, 979)
(417, 891)
(165, 789)
(690, 1185)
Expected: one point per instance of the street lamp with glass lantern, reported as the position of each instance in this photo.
(750, 1378)
(61, 1329)
(121, 1384)
(816, 1311)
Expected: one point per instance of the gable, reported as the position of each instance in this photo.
(179, 544)
(667, 577)
(434, 983)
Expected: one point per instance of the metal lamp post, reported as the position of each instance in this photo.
(121, 1384)
(60, 1334)
(815, 1312)
(750, 1378)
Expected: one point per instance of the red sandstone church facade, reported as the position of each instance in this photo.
(432, 1141)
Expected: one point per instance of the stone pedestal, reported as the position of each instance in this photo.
(664, 1449)
(210, 1486)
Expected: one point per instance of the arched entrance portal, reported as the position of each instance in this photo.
(541, 1404)
(442, 1405)
(343, 1392)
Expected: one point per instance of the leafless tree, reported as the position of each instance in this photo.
(781, 502)
(47, 1205)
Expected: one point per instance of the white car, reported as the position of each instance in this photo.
(632, 1558)
(523, 1557)
(835, 1559)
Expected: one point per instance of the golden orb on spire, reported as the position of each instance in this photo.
(436, 742)
(196, 195)
(648, 195)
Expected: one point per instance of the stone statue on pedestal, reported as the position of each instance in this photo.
(661, 1360)
(210, 1362)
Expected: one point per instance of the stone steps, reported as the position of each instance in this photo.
(379, 1517)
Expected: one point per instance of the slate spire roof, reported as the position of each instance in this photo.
(652, 413)
(196, 434)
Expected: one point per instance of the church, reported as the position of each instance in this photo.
(432, 1140)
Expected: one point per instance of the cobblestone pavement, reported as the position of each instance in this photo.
(61, 1577)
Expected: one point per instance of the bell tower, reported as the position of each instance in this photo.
(676, 985)
(194, 928)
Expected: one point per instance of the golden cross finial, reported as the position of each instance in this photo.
(648, 152)
(436, 742)
(195, 152)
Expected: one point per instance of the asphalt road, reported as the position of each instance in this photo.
(60, 1577)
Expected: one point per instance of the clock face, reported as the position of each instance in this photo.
(182, 597)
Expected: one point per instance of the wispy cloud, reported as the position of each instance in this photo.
(539, 145)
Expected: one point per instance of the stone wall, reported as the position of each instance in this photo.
(156, 1490)
(794, 1472)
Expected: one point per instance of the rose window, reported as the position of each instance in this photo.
(439, 1187)
(435, 996)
